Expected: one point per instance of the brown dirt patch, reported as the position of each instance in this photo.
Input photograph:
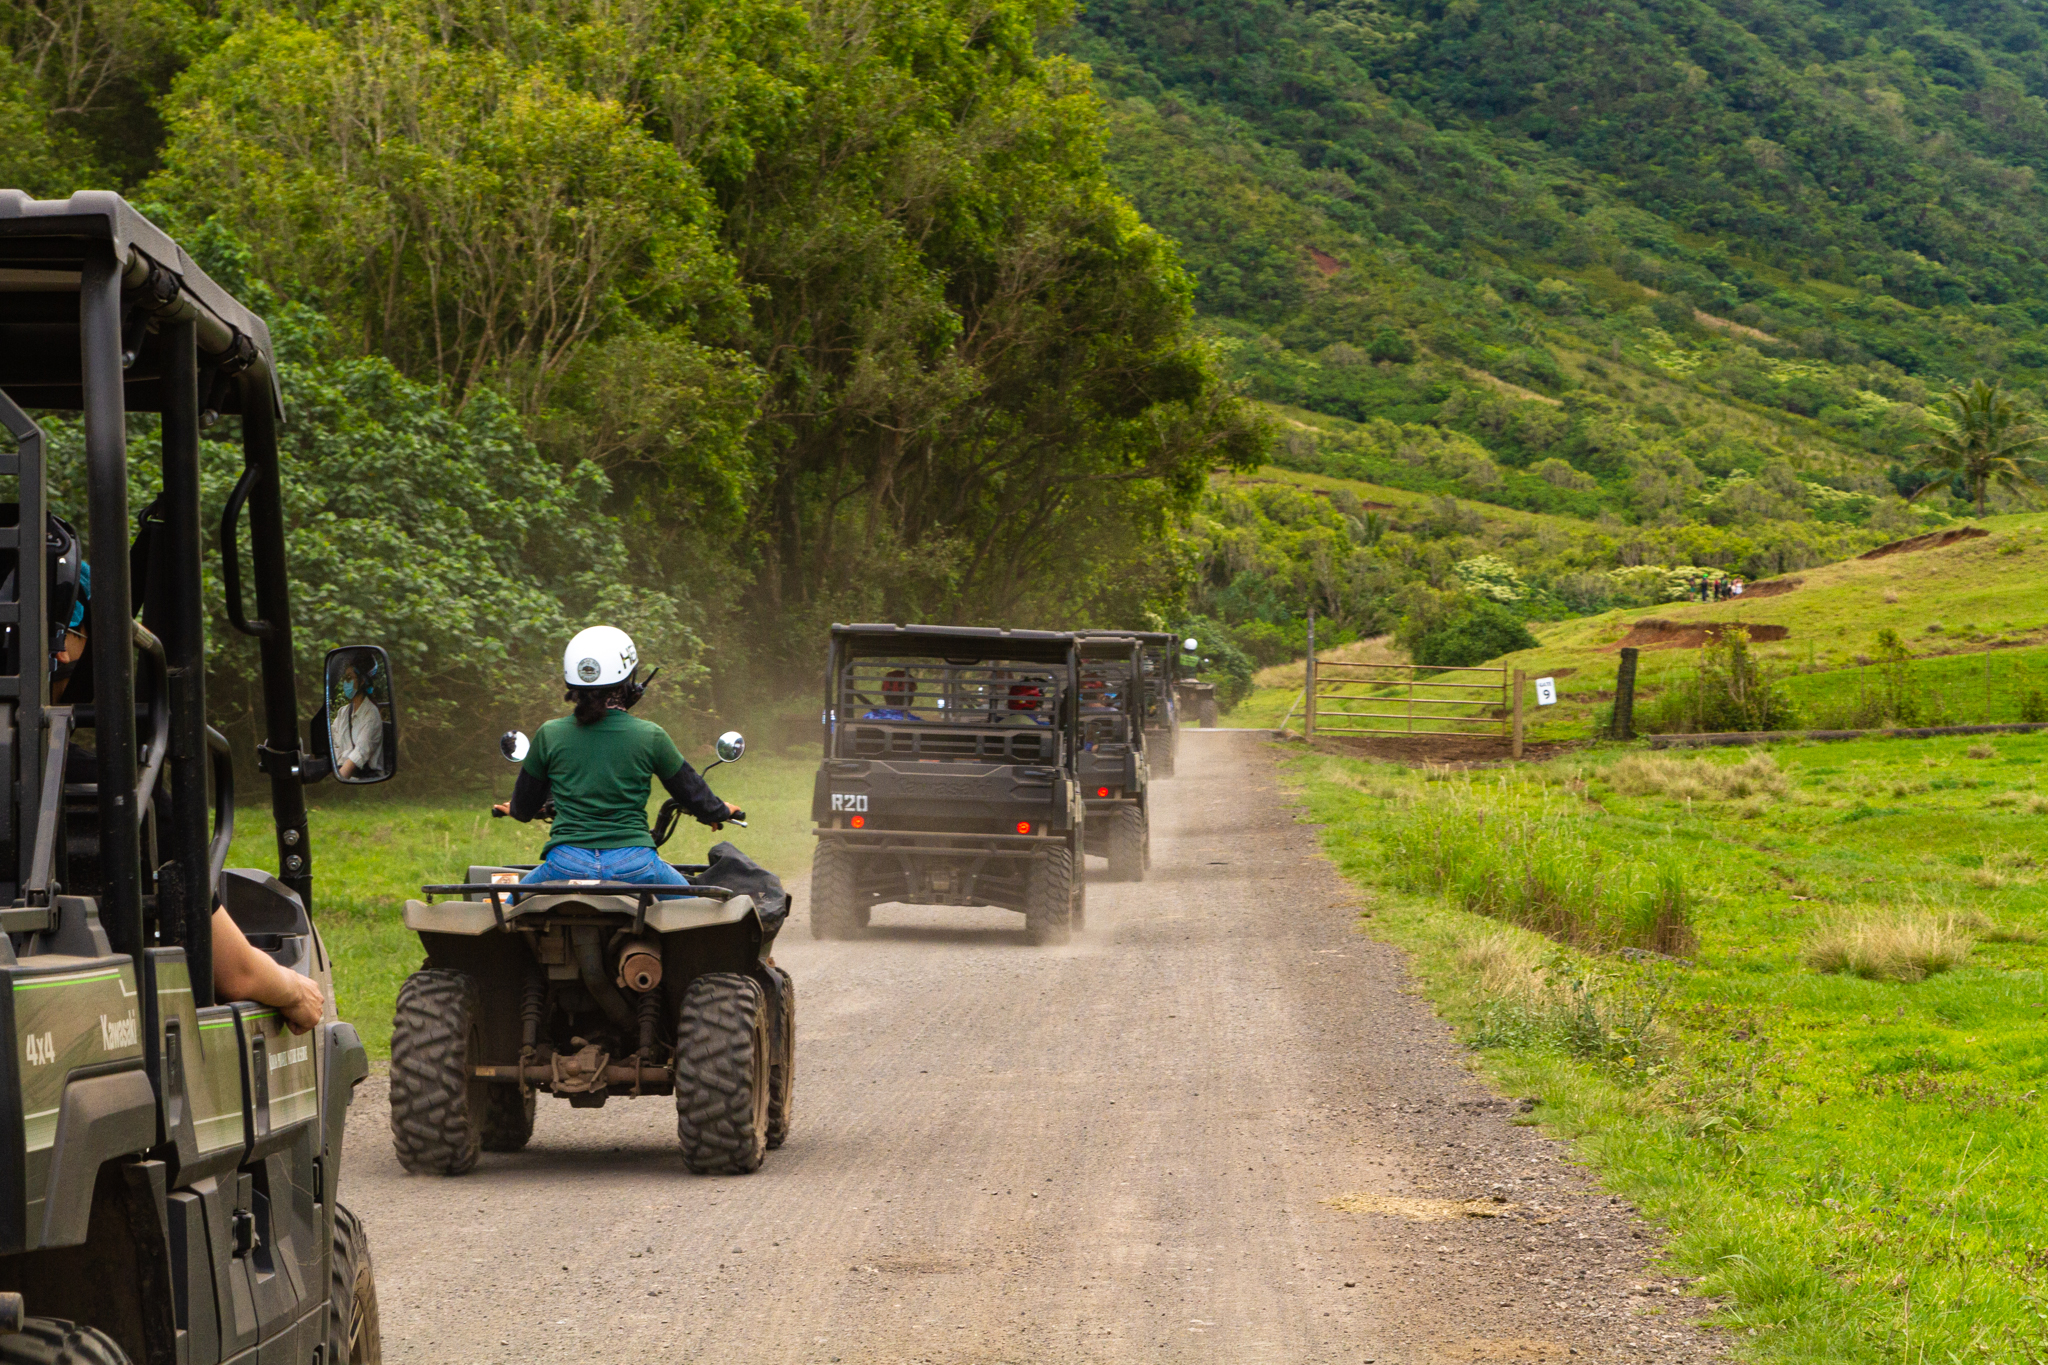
(1657, 633)
(1773, 587)
(1441, 751)
(1325, 262)
(1933, 540)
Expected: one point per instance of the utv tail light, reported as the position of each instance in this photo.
(1023, 826)
(1102, 791)
(858, 822)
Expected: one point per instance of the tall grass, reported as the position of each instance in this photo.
(1513, 853)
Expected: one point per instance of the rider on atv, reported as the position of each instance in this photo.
(595, 766)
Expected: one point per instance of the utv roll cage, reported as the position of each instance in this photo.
(103, 314)
(1113, 679)
(950, 692)
(1161, 649)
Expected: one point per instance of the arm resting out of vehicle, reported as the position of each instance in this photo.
(689, 787)
(529, 794)
(242, 971)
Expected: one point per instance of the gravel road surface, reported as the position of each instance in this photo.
(1216, 1128)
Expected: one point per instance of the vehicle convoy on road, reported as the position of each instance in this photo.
(592, 989)
(1111, 766)
(949, 776)
(169, 1161)
(1162, 652)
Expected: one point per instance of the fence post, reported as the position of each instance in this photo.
(1515, 748)
(1308, 717)
(1624, 726)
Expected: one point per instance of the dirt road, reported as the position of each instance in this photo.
(1122, 1150)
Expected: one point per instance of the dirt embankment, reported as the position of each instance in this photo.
(1933, 540)
(1775, 587)
(1657, 633)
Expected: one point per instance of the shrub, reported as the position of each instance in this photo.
(1483, 630)
(1889, 945)
(2034, 708)
(1732, 690)
(1698, 778)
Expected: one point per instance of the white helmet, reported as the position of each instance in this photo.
(599, 657)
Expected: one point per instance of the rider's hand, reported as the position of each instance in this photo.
(302, 1003)
(502, 808)
(733, 812)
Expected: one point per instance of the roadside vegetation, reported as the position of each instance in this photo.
(1831, 1091)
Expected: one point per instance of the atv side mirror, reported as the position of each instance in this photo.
(730, 746)
(514, 745)
(362, 716)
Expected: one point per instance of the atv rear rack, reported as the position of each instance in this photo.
(645, 893)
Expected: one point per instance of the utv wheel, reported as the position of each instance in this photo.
(782, 1071)
(1127, 844)
(352, 1331)
(507, 1118)
(437, 1108)
(1162, 762)
(833, 912)
(1080, 912)
(724, 1046)
(1049, 897)
(54, 1341)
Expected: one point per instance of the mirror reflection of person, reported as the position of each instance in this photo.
(355, 725)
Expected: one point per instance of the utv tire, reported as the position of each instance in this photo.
(724, 1049)
(352, 1331)
(1049, 898)
(54, 1341)
(437, 1108)
(833, 912)
(1127, 844)
(507, 1118)
(1162, 761)
(1079, 919)
(782, 1069)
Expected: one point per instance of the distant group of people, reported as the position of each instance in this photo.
(1702, 588)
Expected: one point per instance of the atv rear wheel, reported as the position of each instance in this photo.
(437, 1107)
(352, 1331)
(1127, 844)
(782, 1071)
(724, 1047)
(56, 1341)
(833, 912)
(507, 1118)
(1049, 897)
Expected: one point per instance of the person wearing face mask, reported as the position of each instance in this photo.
(358, 726)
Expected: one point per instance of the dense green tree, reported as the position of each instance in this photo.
(1980, 437)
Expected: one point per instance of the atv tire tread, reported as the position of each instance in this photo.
(1049, 898)
(435, 1107)
(57, 1341)
(782, 1071)
(507, 1118)
(352, 1329)
(723, 1048)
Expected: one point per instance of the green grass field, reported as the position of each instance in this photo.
(373, 847)
(1857, 1162)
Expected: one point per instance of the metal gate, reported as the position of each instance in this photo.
(1404, 699)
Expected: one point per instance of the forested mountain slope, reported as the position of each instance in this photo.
(1661, 261)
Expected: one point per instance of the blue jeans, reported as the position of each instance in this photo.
(641, 866)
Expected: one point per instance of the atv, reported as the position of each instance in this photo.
(949, 776)
(591, 991)
(1111, 765)
(169, 1162)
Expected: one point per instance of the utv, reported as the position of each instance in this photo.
(168, 1162)
(1162, 701)
(589, 991)
(948, 776)
(1112, 765)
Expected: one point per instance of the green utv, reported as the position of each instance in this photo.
(168, 1162)
(949, 776)
(1111, 766)
(1162, 650)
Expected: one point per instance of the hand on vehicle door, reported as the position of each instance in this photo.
(304, 1003)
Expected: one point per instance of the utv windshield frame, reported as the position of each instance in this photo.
(947, 692)
(103, 314)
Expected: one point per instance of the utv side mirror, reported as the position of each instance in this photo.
(362, 716)
(514, 745)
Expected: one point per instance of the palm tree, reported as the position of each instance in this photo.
(1983, 438)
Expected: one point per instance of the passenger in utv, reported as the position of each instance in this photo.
(595, 765)
(242, 971)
